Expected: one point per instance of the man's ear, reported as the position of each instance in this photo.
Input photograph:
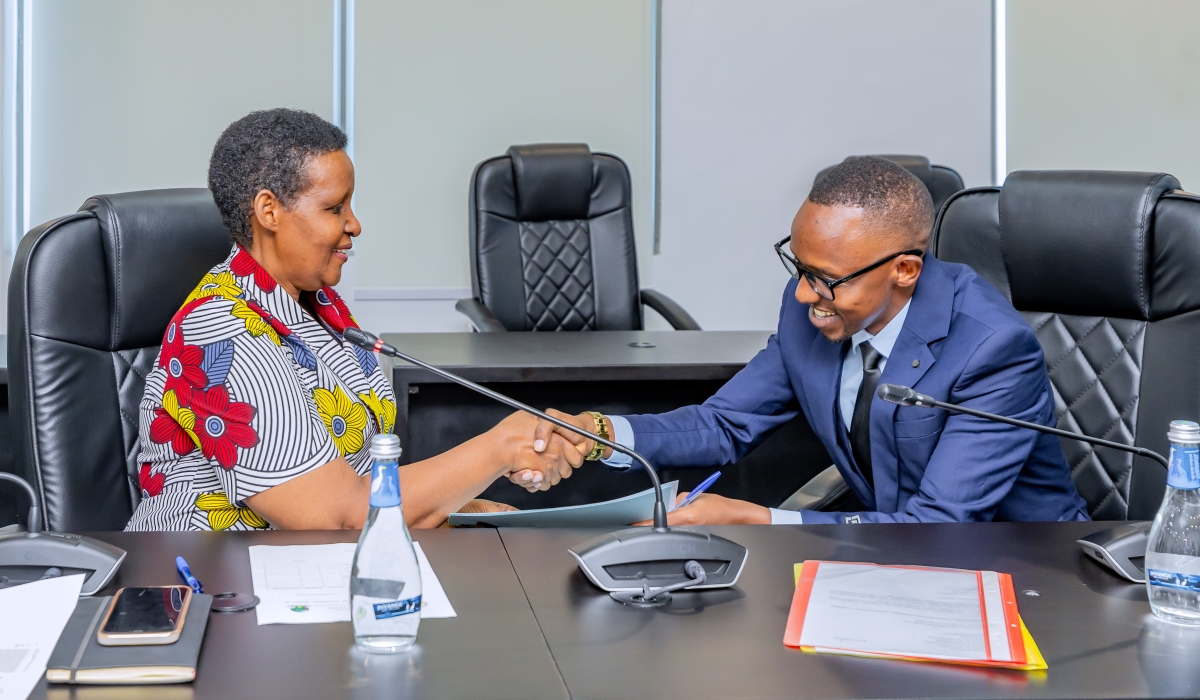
(908, 270)
(266, 210)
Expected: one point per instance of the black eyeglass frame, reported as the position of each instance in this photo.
(812, 277)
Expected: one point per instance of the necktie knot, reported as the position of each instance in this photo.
(870, 357)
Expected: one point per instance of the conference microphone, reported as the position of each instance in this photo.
(906, 396)
(627, 562)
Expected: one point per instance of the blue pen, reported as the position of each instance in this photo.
(699, 489)
(186, 574)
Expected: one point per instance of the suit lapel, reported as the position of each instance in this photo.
(928, 321)
(822, 387)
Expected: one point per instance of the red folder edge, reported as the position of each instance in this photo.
(795, 623)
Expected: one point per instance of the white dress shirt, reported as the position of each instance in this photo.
(852, 376)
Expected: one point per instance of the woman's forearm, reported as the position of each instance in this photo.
(434, 488)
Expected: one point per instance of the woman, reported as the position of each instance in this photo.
(257, 413)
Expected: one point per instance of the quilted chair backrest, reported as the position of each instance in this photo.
(551, 236)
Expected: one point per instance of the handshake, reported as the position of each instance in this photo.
(545, 454)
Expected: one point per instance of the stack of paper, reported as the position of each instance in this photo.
(615, 513)
(909, 612)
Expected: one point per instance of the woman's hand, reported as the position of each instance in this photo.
(482, 505)
(538, 470)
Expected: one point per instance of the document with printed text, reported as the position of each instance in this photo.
(32, 617)
(906, 612)
(301, 584)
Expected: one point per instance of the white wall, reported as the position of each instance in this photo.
(132, 94)
(441, 86)
(759, 95)
(1104, 84)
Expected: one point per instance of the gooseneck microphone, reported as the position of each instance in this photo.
(34, 521)
(906, 396)
(625, 562)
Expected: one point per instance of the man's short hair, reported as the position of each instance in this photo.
(267, 150)
(892, 199)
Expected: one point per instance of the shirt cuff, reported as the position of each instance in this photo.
(622, 435)
(786, 517)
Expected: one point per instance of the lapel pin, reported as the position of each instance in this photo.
(916, 363)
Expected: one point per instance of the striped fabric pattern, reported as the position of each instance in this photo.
(249, 390)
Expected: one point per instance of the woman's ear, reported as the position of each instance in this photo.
(267, 208)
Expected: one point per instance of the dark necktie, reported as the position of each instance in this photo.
(860, 423)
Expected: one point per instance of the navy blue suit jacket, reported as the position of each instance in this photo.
(969, 346)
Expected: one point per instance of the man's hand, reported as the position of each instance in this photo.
(711, 509)
(544, 431)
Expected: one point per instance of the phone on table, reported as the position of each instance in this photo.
(141, 616)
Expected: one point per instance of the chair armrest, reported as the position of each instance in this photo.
(679, 319)
(820, 493)
(480, 316)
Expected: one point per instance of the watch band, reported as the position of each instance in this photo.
(601, 430)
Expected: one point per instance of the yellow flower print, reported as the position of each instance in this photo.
(177, 426)
(384, 410)
(223, 515)
(255, 323)
(344, 418)
(218, 285)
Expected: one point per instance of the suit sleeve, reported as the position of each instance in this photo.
(977, 461)
(741, 414)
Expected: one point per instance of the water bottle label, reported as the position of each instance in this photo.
(396, 608)
(385, 483)
(1185, 467)
(1171, 579)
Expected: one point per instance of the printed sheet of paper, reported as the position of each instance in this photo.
(615, 513)
(911, 612)
(301, 584)
(32, 617)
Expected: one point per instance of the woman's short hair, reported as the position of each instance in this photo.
(267, 150)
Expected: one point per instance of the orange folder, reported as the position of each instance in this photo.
(1023, 651)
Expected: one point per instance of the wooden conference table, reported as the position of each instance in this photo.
(530, 626)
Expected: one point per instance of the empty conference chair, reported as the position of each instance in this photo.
(552, 247)
(941, 181)
(1103, 266)
(89, 299)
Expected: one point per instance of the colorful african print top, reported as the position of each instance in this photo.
(249, 390)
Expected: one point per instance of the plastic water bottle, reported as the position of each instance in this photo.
(1173, 550)
(385, 579)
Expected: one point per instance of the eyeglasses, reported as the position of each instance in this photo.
(824, 287)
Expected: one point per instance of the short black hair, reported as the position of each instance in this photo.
(892, 199)
(266, 150)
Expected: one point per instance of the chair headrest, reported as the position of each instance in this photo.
(157, 246)
(1079, 242)
(553, 181)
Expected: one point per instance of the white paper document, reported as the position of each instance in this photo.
(32, 617)
(615, 513)
(301, 584)
(913, 612)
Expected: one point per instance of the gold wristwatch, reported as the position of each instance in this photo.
(601, 430)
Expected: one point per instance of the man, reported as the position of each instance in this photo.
(864, 307)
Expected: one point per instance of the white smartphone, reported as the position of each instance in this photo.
(141, 616)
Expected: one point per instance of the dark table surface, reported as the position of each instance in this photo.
(1095, 630)
(492, 649)
(606, 355)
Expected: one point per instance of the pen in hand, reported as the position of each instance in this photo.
(699, 489)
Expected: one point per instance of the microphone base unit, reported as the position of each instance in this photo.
(626, 561)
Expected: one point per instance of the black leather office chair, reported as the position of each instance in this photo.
(88, 301)
(552, 245)
(1104, 266)
(941, 181)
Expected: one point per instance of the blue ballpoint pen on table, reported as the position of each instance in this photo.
(699, 489)
(186, 574)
